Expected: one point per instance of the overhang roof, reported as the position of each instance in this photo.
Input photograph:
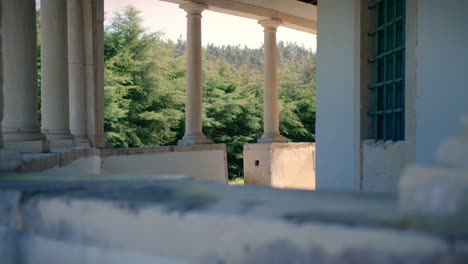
(313, 2)
(293, 13)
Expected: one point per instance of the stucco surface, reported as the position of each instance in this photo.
(338, 85)
(442, 90)
(280, 165)
(201, 165)
(382, 165)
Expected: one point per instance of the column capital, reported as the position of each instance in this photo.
(193, 8)
(270, 23)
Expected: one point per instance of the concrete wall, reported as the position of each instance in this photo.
(202, 162)
(382, 165)
(442, 87)
(280, 165)
(338, 84)
(214, 223)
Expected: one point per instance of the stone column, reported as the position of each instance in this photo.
(99, 60)
(193, 106)
(9, 160)
(93, 17)
(20, 124)
(55, 101)
(270, 86)
(76, 73)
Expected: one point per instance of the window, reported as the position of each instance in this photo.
(388, 89)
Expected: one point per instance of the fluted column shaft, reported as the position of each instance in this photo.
(271, 102)
(55, 94)
(77, 79)
(193, 106)
(20, 123)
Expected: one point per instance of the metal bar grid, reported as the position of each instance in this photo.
(388, 87)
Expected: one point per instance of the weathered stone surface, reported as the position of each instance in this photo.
(9, 159)
(434, 191)
(8, 206)
(280, 165)
(40, 162)
(160, 149)
(382, 165)
(213, 223)
(25, 248)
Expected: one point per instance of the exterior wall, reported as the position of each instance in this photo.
(201, 162)
(1, 79)
(338, 84)
(442, 89)
(383, 162)
(382, 165)
(280, 165)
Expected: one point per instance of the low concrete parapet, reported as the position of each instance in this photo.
(280, 165)
(196, 222)
(202, 162)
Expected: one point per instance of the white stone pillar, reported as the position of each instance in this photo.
(193, 107)
(9, 159)
(76, 73)
(271, 102)
(54, 95)
(20, 124)
(99, 57)
(93, 17)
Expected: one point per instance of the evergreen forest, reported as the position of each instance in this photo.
(145, 90)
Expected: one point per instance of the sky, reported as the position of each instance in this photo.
(217, 28)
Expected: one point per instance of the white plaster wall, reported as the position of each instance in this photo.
(442, 86)
(382, 165)
(88, 165)
(338, 84)
(200, 165)
(293, 167)
(280, 165)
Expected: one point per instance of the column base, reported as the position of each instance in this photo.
(59, 139)
(271, 138)
(194, 140)
(26, 142)
(81, 142)
(61, 143)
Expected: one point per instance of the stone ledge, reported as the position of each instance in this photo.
(432, 191)
(58, 158)
(214, 223)
(161, 149)
(274, 145)
(26, 248)
(36, 162)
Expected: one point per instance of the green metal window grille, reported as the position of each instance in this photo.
(389, 62)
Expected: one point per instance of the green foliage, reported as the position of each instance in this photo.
(145, 90)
